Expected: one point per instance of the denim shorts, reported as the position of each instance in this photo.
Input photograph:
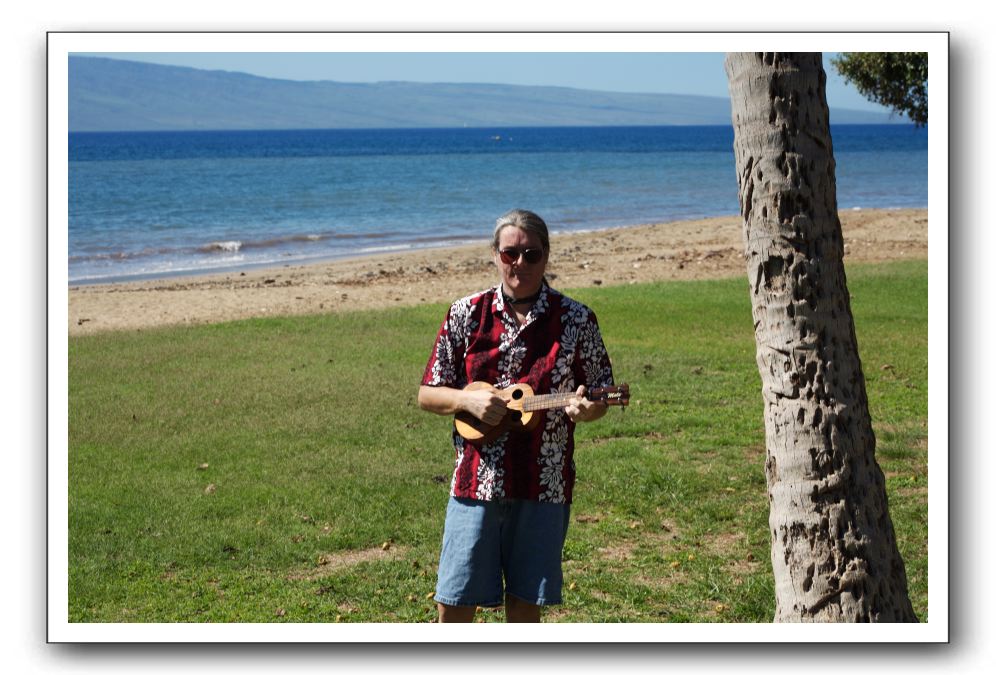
(495, 548)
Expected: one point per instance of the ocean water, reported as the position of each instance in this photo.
(159, 204)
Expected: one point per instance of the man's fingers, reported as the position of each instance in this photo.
(494, 415)
(494, 410)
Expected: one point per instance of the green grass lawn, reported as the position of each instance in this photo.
(280, 470)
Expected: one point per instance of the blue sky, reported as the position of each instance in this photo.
(673, 73)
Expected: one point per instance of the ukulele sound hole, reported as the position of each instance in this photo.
(517, 394)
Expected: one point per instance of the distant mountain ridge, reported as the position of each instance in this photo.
(117, 95)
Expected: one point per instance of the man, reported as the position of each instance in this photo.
(510, 498)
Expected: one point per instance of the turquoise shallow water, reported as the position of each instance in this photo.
(160, 204)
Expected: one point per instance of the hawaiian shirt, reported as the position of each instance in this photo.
(556, 349)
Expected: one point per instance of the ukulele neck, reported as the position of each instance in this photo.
(547, 401)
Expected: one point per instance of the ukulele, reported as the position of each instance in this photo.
(521, 406)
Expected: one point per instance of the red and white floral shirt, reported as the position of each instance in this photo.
(557, 349)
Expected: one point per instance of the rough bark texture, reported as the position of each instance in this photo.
(833, 547)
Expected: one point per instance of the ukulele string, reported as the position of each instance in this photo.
(544, 401)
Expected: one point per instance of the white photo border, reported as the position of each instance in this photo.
(61, 44)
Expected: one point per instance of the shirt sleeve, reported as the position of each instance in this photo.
(445, 365)
(595, 367)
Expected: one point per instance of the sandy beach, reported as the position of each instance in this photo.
(694, 249)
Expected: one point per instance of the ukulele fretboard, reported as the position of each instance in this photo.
(547, 401)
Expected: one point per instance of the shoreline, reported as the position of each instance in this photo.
(691, 249)
(322, 259)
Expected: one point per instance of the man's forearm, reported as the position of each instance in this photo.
(440, 400)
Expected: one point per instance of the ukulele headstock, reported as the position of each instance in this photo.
(614, 395)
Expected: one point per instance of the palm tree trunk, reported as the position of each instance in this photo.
(833, 548)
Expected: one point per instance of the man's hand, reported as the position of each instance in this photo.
(485, 405)
(583, 410)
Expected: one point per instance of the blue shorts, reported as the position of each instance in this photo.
(516, 541)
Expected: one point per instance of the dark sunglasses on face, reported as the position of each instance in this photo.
(511, 255)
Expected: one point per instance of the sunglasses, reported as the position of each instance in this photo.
(511, 255)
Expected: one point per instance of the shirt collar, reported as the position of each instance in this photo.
(539, 307)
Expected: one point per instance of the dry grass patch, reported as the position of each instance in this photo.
(658, 542)
(755, 453)
(669, 576)
(601, 596)
(330, 563)
(618, 553)
(723, 543)
(740, 568)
